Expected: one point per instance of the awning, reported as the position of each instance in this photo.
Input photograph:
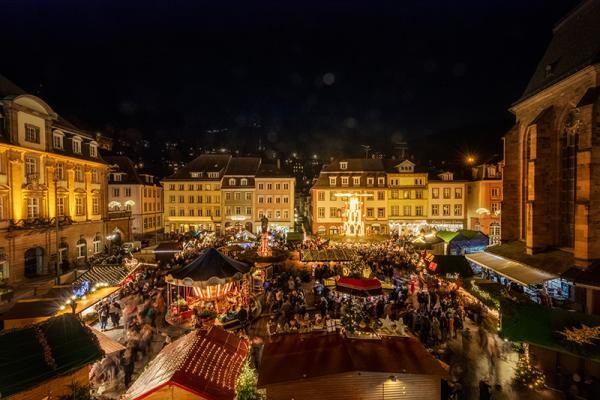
(515, 271)
(108, 345)
(359, 286)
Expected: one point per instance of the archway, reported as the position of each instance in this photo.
(34, 261)
(248, 226)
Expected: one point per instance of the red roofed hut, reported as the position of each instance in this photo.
(361, 287)
(200, 365)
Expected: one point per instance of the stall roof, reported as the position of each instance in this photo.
(108, 345)
(328, 255)
(206, 363)
(452, 265)
(168, 247)
(359, 286)
(22, 364)
(512, 270)
(110, 274)
(314, 355)
(211, 264)
(554, 261)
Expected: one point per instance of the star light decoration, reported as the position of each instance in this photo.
(583, 335)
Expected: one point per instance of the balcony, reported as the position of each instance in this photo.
(39, 223)
(119, 214)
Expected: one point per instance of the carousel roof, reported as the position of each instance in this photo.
(205, 363)
(211, 264)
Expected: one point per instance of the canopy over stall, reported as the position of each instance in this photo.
(328, 255)
(464, 241)
(512, 270)
(359, 286)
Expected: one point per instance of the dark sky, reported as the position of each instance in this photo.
(309, 76)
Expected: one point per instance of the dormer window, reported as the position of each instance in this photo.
(244, 182)
(332, 180)
(32, 133)
(57, 140)
(370, 181)
(381, 181)
(195, 174)
(93, 150)
(356, 180)
(76, 144)
(232, 182)
(117, 177)
(343, 164)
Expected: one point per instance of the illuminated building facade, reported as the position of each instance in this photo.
(274, 197)
(134, 202)
(447, 202)
(49, 171)
(192, 195)
(238, 186)
(484, 201)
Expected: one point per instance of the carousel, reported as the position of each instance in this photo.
(211, 289)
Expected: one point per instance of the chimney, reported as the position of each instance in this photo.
(278, 163)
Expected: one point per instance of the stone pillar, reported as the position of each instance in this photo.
(589, 301)
(511, 212)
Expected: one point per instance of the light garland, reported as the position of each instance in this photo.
(583, 335)
(526, 375)
(41, 338)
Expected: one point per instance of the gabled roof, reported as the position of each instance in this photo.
(126, 166)
(23, 364)
(204, 363)
(355, 165)
(203, 163)
(8, 88)
(574, 46)
(288, 358)
(268, 170)
(243, 166)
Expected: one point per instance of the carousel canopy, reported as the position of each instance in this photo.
(358, 286)
(328, 255)
(203, 363)
(211, 265)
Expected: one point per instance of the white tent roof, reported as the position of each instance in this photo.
(515, 271)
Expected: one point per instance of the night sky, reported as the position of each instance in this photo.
(322, 76)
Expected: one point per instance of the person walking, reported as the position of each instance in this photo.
(103, 315)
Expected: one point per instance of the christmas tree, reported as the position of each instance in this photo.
(352, 317)
(245, 385)
(527, 375)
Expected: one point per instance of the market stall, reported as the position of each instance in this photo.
(210, 285)
(361, 287)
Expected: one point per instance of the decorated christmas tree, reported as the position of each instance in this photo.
(526, 375)
(352, 317)
(245, 385)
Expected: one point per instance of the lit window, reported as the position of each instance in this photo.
(32, 133)
(81, 248)
(57, 140)
(343, 165)
(356, 180)
(95, 206)
(33, 207)
(78, 173)
(60, 206)
(332, 180)
(232, 182)
(79, 206)
(93, 150)
(458, 210)
(76, 145)
(244, 182)
(344, 181)
(30, 166)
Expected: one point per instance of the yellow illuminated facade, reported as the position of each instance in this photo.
(407, 198)
(49, 170)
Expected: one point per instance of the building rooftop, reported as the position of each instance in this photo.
(243, 166)
(203, 164)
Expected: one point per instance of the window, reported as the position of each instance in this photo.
(458, 210)
(261, 186)
(76, 145)
(31, 166)
(171, 187)
(418, 181)
(79, 206)
(213, 174)
(370, 212)
(269, 214)
(172, 212)
(117, 192)
(232, 182)
(248, 196)
(269, 186)
(278, 186)
(356, 180)
(332, 212)
(32, 133)
(406, 194)
(286, 199)
(217, 212)
(93, 151)
(394, 195)
(238, 195)
(244, 182)
(33, 207)
(418, 194)
(458, 193)
(116, 177)
(381, 181)
(446, 210)
(59, 171)
(370, 181)
(381, 212)
(435, 193)
(191, 212)
(171, 199)
(332, 181)
(381, 195)
(269, 199)
(228, 196)
(95, 206)
(248, 210)
(2, 216)
(286, 186)
(238, 210)
(181, 186)
(332, 196)
(286, 214)
(277, 200)
(321, 196)
(78, 173)
(97, 244)
(345, 180)
(191, 187)
(95, 176)
(261, 214)
(191, 199)
(321, 212)
(195, 174)
(261, 199)
(57, 141)
(182, 212)
(343, 165)
(199, 187)
(435, 209)
(277, 214)
(419, 211)
(446, 193)
(495, 207)
(181, 199)
(406, 211)
(495, 192)
(81, 248)
(495, 229)
(395, 211)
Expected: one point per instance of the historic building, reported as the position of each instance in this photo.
(407, 196)
(551, 174)
(447, 201)
(134, 202)
(274, 198)
(192, 195)
(349, 197)
(52, 189)
(484, 200)
(237, 197)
